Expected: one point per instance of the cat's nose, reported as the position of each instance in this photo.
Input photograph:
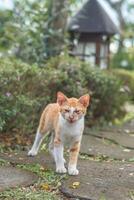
(71, 117)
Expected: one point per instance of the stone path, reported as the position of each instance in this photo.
(128, 127)
(106, 180)
(122, 138)
(112, 180)
(22, 158)
(96, 146)
(115, 142)
(13, 177)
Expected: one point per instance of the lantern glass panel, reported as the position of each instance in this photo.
(90, 52)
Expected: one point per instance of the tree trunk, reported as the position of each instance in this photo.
(117, 6)
(59, 14)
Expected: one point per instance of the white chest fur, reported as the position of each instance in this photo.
(71, 131)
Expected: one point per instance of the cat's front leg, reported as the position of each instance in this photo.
(74, 152)
(58, 156)
(36, 145)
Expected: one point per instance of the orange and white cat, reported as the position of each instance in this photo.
(65, 120)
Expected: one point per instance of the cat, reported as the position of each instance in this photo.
(65, 120)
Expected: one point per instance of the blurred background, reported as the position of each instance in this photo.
(75, 46)
(34, 31)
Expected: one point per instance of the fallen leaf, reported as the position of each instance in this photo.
(131, 174)
(43, 168)
(126, 150)
(45, 187)
(75, 185)
(121, 168)
(21, 158)
(127, 130)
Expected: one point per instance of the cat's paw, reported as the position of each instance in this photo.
(61, 170)
(32, 153)
(73, 171)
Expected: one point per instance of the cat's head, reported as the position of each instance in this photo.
(72, 109)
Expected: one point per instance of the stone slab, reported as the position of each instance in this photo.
(109, 181)
(121, 138)
(100, 147)
(11, 177)
(128, 127)
(22, 158)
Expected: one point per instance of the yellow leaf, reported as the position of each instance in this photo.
(45, 187)
(43, 168)
(75, 185)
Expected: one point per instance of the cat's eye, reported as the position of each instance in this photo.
(77, 111)
(66, 110)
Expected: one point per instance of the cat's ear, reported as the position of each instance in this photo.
(61, 98)
(84, 100)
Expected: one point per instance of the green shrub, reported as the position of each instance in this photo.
(22, 94)
(123, 59)
(127, 79)
(107, 100)
(25, 90)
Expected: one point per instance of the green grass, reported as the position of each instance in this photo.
(131, 194)
(102, 197)
(26, 194)
(2, 162)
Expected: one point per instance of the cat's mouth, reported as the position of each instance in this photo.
(71, 121)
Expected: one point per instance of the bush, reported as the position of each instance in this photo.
(127, 79)
(22, 94)
(124, 59)
(107, 99)
(25, 90)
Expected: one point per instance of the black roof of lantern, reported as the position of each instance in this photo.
(93, 19)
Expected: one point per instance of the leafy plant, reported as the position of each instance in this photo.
(27, 32)
(124, 59)
(127, 79)
(25, 90)
(22, 94)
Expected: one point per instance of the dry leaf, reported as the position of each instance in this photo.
(126, 150)
(43, 168)
(21, 158)
(45, 187)
(75, 185)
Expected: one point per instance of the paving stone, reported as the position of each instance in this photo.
(121, 138)
(11, 177)
(22, 158)
(97, 147)
(122, 135)
(110, 181)
(128, 127)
